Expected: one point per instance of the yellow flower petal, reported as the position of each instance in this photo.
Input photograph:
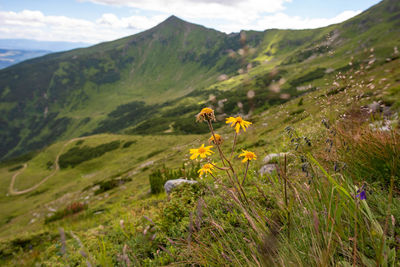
(202, 151)
(237, 123)
(248, 155)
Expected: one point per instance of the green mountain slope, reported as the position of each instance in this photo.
(64, 93)
(133, 84)
(10, 57)
(101, 194)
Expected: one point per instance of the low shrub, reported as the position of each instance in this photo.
(79, 142)
(300, 103)
(308, 77)
(154, 153)
(16, 168)
(129, 143)
(110, 184)
(158, 177)
(157, 181)
(77, 155)
(370, 155)
(49, 165)
(298, 111)
(72, 208)
(335, 91)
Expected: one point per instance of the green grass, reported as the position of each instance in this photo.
(183, 63)
(206, 224)
(67, 184)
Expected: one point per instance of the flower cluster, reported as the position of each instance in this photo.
(215, 139)
(207, 168)
(237, 123)
(207, 114)
(247, 156)
(202, 151)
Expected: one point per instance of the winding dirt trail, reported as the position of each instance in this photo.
(11, 188)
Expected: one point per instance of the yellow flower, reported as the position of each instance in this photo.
(237, 122)
(206, 114)
(201, 151)
(207, 168)
(248, 155)
(218, 139)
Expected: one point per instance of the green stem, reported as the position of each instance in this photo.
(245, 173)
(286, 197)
(234, 145)
(390, 200)
(355, 237)
(215, 142)
(228, 162)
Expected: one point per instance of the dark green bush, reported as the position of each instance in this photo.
(110, 184)
(298, 111)
(151, 126)
(303, 55)
(308, 77)
(49, 164)
(77, 155)
(16, 168)
(72, 208)
(369, 155)
(300, 103)
(129, 143)
(155, 152)
(126, 115)
(20, 159)
(258, 143)
(157, 181)
(80, 142)
(188, 125)
(158, 177)
(335, 91)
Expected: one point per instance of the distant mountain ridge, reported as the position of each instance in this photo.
(13, 51)
(165, 62)
(10, 57)
(27, 44)
(153, 81)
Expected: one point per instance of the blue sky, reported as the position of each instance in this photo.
(95, 21)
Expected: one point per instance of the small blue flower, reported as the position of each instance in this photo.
(361, 194)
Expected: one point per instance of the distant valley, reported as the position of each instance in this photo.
(89, 138)
(154, 82)
(10, 57)
(13, 51)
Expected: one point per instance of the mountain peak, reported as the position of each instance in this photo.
(173, 20)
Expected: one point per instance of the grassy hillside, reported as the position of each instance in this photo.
(115, 86)
(9, 57)
(329, 98)
(99, 228)
(67, 94)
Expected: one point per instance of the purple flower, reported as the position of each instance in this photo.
(361, 194)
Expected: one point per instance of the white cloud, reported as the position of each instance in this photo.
(283, 21)
(232, 16)
(132, 22)
(35, 25)
(233, 10)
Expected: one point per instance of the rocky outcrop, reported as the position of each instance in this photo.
(272, 156)
(171, 184)
(268, 169)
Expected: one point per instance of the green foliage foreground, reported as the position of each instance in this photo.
(77, 155)
(309, 212)
(280, 220)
